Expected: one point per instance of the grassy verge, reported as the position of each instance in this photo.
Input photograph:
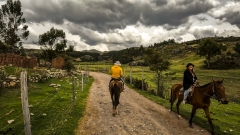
(226, 118)
(51, 109)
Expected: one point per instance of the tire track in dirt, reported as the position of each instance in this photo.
(137, 114)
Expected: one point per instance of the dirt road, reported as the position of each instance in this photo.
(137, 115)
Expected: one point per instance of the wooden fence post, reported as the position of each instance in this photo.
(82, 81)
(130, 74)
(142, 80)
(74, 91)
(25, 105)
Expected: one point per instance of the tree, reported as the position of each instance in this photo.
(12, 28)
(237, 48)
(209, 48)
(157, 63)
(53, 43)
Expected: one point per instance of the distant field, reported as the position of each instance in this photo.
(231, 77)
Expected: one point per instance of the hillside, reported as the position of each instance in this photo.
(170, 49)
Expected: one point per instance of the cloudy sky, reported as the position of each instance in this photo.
(108, 25)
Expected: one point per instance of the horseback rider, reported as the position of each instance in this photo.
(189, 79)
(117, 73)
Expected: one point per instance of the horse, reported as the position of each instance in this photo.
(116, 87)
(200, 98)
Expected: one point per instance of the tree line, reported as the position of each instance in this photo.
(14, 31)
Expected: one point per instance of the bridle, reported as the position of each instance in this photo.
(215, 95)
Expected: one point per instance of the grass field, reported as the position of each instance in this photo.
(226, 118)
(51, 110)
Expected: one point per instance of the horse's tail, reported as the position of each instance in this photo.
(116, 94)
(171, 95)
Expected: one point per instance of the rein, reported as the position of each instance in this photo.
(215, 95)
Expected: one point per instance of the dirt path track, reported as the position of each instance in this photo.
(137, 115)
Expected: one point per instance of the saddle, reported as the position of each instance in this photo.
(116, 79)
(190, 92)
(182, 90)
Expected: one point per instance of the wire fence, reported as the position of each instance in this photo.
(53, 108)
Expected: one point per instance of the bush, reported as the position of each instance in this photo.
(68, 64)
(137, 83)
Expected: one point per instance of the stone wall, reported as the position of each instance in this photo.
(57, 62)
(10, 59)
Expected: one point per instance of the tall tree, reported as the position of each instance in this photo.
(237, 48)
(158, 64)
(53, 42)
(12, 25)
(209, 48)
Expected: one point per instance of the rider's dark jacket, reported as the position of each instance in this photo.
(188, 79)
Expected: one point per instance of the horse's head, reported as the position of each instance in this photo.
(219, 91)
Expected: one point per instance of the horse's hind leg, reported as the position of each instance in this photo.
(177, 106)
(172, 101)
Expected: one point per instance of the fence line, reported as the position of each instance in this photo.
(10, 122)
(66, 117)
(7, 114)
(63, 115)
(48, 115)
(41, 100)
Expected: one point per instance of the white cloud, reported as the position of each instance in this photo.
(228, 7)
(187, 37)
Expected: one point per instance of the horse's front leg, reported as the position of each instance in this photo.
(192, 115)
(206, 110)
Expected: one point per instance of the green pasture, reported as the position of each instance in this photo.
(51, 109)
(226, 118)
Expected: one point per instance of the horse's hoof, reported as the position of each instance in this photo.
(213, 133)
(179, 116)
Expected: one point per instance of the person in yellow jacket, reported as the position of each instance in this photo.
(116, 72)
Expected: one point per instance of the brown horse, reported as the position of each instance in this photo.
(116, 87)
(201, 98)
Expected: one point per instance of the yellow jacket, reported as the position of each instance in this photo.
(116, 71)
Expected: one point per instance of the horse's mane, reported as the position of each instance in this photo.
(219, 82)
(205, 85)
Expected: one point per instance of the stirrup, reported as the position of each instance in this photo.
(184, 101)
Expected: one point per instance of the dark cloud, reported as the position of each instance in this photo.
(173, 14)
(233, 17)
(96, 15)
(229, 12)
(201, 18)
(105, 15)
(159, 2)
